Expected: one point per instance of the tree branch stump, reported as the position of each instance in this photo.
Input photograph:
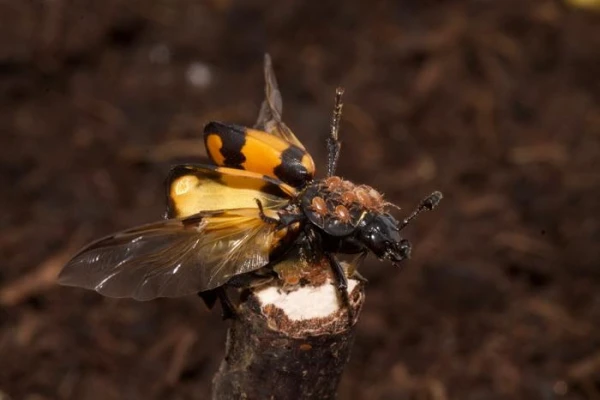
(288, 345)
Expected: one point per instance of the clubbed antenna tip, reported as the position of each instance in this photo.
(428, 203)
(431, 201)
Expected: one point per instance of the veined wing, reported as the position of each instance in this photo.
(269, 117)
(173, 257)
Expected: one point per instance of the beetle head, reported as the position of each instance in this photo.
(381, 235)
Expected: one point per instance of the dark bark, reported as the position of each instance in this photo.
(272, 354)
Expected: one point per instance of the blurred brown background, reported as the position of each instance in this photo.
(496, 103)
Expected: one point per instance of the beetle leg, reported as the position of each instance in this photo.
(353, 268)
(342, 284)
(287, 219)
(209, 297)
(359, 277)
(263, 216)
(229, 310)
(313, 242)
(251, 279)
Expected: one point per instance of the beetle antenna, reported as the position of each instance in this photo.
(428, 203)
(333, 142)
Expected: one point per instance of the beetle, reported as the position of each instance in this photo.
(234, 222)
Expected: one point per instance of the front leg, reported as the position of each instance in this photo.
(263, 216)
(353, 267)
(210, 297)
(342, 284)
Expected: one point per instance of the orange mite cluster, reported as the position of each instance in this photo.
(293, 274)
(343, 195)
(350, 194)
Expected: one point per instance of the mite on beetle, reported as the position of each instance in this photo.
(231, 223)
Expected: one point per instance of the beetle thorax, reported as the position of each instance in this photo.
(337, 205)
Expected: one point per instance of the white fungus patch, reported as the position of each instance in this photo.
(306, 302)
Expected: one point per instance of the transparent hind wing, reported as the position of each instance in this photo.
(173, 257)
(269, 117)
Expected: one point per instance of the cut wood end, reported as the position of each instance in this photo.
(309, 310)
(304, 303)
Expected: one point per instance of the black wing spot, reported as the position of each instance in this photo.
(291, 170)
(233, 138)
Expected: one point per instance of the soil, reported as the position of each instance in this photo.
(495, 103)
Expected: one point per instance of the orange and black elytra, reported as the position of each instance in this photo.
(235, 146)
(231, 224)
